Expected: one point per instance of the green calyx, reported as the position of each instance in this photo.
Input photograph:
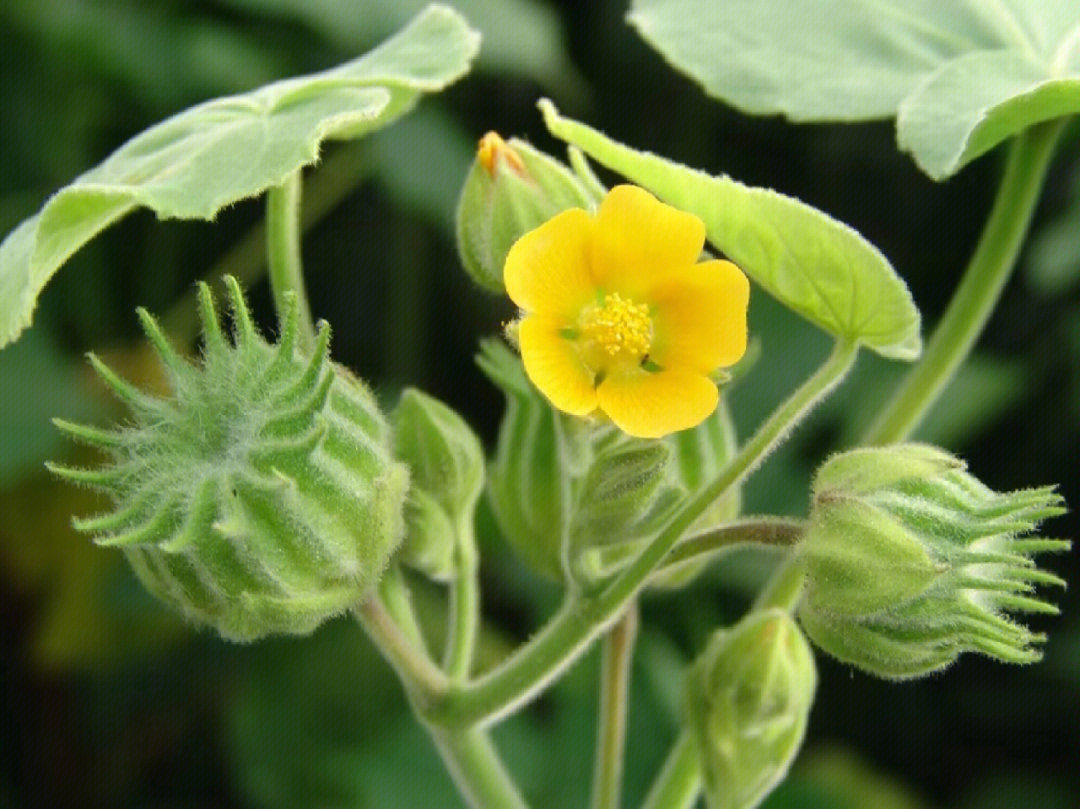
(510, 189)
(747, 702)
(576, 498)
(911, 561)
(446, 465)
(261, 497)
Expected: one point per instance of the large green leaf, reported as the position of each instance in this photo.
(812, 263)
(960, 75)
(197, 162)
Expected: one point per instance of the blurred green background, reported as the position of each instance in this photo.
(108, 700)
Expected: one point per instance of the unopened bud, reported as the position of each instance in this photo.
(511, 189)
(911, 561)
(748, 699)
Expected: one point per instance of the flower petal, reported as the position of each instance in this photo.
(699, 316)
(552, 363)
(547, 269)
(651, 405)
(637, 236)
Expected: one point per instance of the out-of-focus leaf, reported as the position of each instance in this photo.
(1053, 256)
(92, 613)
(195, 163)
(163, 58)
(522, 37)
(815, 265)
(38, 382)
(960, 76)
(835, 778)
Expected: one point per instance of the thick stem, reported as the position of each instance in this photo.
(679, 782)
(980, 288)
(615, 663)
(532, 666)
(464, 607)
(476, 769)
(283, 254)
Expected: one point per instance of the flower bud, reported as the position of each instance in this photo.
(911, 561)
(446, 464)
(511, 189)
(262, 496)
(747, 701)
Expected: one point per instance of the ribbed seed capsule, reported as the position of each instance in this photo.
(261, 497)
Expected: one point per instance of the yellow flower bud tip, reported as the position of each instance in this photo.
(491, 148)
(619, 316)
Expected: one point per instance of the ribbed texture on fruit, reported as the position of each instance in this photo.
(261, 497)
(911, 561)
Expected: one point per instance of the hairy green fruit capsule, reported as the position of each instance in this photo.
(747, 702)
(446, 464)
(262, 496)
(911, 561)
(511, 189)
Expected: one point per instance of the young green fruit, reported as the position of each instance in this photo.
(911, 561)
(747, 702)
(261, 497)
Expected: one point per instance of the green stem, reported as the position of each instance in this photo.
(283, 254)
(422, 679)
(468, 754)
(581, 619)
(679, 782)
(335, 178)
(979, 289)
(464, 607)
(784, 588)
(395, 596)
(766, 531)
(615, 663)
(478, 773)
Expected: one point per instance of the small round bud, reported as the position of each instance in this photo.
(911, 561)
(511, 189)
(262, 496)
(446, 464)
(747, 702)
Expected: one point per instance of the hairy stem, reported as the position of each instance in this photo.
(582, 618)
(780, 532)
(422, 679)
(478, 773)
(678, 784)
(283, 254)
(979, 289)
(464, 607)
(615, 663)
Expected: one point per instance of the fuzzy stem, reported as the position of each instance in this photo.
(478, 773)
(464, 607)
(679, 782)
(422, 679)
(283, 254)
(980, 288)
(583, 617)
(615, 663)
(781, 532)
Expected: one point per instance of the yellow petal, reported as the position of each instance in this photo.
(638, 236)
(651, 405)
(699, 316)
(547, 269)
(552, 363)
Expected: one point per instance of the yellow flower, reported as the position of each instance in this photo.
(618, 316)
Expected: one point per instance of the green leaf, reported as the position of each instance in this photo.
(214, 154)
(960, 76)
(815, 265)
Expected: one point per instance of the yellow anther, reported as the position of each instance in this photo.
(491, 148)
(618, 327)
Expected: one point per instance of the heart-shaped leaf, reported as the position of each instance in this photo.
(214, 154)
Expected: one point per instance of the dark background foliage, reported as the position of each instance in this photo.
(107, 700)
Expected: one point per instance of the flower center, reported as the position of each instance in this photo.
(616, 329)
